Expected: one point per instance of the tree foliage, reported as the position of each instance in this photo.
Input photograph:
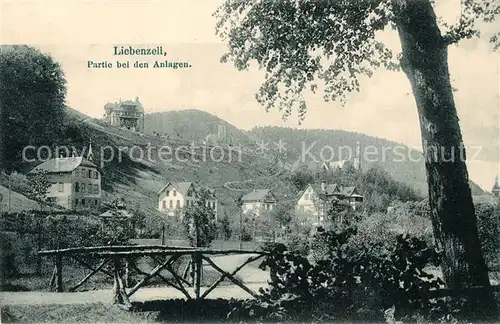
(39, 187)
(32, 100)
(225, 227)
(310, 45)
(199, 222)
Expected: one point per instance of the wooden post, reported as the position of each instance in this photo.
(59, 266)
(198, 273)
(53, 279)
(163, 234)
(120, 295)
(125, 275)
(241, 228)
(185, 273)
(87, 277)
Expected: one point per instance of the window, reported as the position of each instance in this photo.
(90, 174)
(178, 204)
(76, 202)
(164, 204)
(60, 186)
(96, 175)
(76, 173)
(83, 172)
(167, 193)
(96, 189)
(175, 193)
(89, 188)
(83, 187)
(77, 187)
(83, 202)
(171, 204)
(96, 202)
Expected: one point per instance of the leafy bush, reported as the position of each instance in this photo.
(350, 281)
(488, 223)
(35, 231)
(8, 263)
(299, 243)
(245, 235)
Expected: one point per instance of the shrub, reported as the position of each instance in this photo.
(350, 281)
(245, 235)
(488, 223)
(299, 243)
(8, 265)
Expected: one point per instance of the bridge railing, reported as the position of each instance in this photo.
(122, 258)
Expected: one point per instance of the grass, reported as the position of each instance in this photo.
(90, 313)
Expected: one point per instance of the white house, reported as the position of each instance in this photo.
(175, 196)
(257, 201)
(315, 199)
(76, 182)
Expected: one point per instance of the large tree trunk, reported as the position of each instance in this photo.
(425, 62)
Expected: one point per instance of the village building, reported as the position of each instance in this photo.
(76, 182)
(258, 201)
(316, 199)
(126, 114)
(354, 160)
(175, 196)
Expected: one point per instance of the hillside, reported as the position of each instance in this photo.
(141, 171)
(191, 125)
(18, 202)
(137, 178)
(304, 147)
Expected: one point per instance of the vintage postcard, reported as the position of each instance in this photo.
(250, 161)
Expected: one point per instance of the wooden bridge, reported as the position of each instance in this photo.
(120, 259)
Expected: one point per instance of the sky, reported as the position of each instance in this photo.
(76, 31)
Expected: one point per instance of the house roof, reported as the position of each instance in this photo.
(125, 105)
(332, 190)
(348, 191)
(257, 195)
(66, 164)
(330, 165)
(182, 187)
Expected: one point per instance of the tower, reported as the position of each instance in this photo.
(495, 191)
(221, 133)
(90, 155)
(357, 157)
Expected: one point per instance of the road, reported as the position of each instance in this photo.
(106, 296)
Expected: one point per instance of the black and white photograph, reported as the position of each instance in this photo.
(250, 161)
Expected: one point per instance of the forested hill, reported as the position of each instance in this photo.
(304, 146)
(192, 125)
